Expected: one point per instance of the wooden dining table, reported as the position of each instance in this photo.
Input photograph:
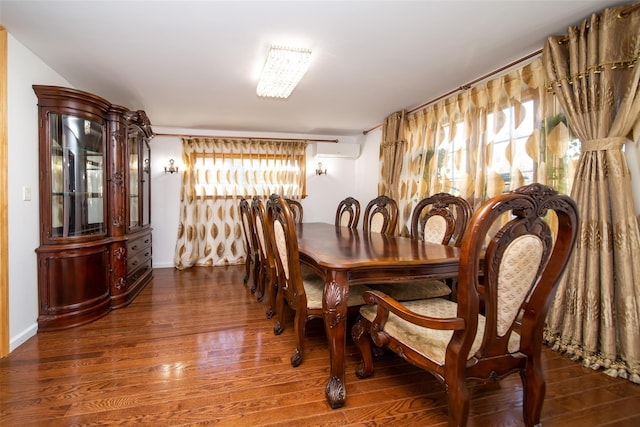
(345, 257)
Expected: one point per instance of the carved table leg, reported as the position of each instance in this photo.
(334, 306)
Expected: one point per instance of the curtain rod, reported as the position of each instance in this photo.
(465, 86)
(632, 8)
(182, 135)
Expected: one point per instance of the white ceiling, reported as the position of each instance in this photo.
(195, 64)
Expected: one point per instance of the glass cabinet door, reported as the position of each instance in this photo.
(77, 176)
(134, 182)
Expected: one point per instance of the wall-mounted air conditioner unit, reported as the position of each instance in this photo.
(330, 149)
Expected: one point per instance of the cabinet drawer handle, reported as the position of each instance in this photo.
(146, 254)
(134, 263)
(133, 248)
(146, 241)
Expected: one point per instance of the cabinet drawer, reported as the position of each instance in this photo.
(137, 244)
(135, 261)
(140, 271)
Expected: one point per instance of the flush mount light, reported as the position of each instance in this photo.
(282, 71)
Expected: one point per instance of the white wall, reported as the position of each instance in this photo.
(324, 192)
(165, 197)
(345, 177)
(369, 169)
(24, 69)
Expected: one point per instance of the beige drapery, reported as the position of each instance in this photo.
(392, 149)
(494, 137)
(217, 173)
(595, 74)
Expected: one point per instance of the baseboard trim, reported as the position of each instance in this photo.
(23, 336)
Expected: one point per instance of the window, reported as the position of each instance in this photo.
(509, 142)
(506, 148)
(248, 176)
(217, 173)
(452, 156)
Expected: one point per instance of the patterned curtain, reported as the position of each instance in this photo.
(486, 140)
(632, 153)
(218, 172)
(392, 149)
(595, 74)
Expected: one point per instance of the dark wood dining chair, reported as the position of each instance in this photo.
(522, 266)
(381, 216)
(441, 218)
(302, 293)
(252, 261)
(348, 213)
(428, 288)
(296, 209)
(267, 272)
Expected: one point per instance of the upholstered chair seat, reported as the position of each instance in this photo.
(314, 286)
(430, 343)
(414, 290)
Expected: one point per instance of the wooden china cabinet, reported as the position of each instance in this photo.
(95, 235)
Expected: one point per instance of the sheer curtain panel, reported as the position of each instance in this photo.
(217, 173)
(489, 139)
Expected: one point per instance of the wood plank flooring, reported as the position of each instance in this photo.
(195, 348)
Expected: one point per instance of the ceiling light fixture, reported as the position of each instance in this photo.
(282, 71)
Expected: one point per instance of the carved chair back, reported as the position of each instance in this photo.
(441, 218)
(251, 242)
(296, 210)
(267, 277)
(348, 213)
(381, 216)
(284, 239)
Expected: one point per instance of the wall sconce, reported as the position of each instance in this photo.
(146, 168)
(319, 170)
(171, 167)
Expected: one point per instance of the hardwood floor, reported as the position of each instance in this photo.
(195, 348)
